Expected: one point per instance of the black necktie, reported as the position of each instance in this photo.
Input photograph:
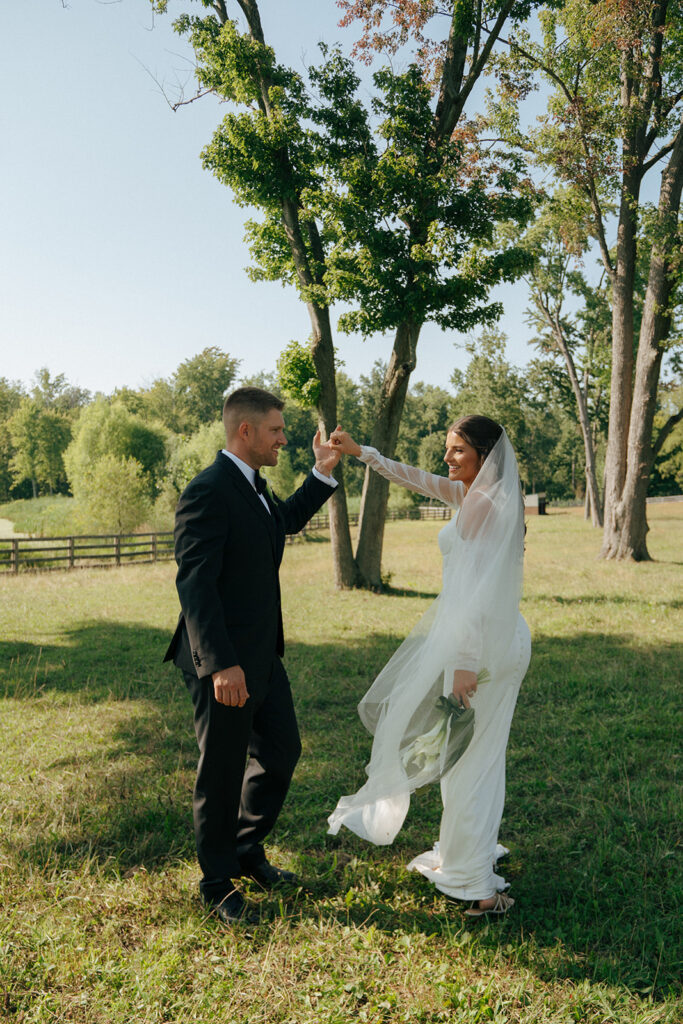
(260, 483)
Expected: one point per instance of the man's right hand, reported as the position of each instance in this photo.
(230, 687)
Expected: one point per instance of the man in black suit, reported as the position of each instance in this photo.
(229, 541)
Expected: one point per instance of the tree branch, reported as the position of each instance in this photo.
(251, 13)
(653, 78)
(185, 103)
(221, 10)
(672, 421)
(649, 164)
(453, 93)
(592, 189)
(174, 105)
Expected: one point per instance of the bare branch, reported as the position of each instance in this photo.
(174, 105)
(184, 103)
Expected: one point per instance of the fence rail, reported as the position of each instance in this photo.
(322, 520)
(41, 553)
(34, 553)
(90, 550)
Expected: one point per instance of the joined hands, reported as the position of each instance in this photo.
(326, 454)
(342, 442)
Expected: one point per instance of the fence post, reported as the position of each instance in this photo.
(71, 552)
(117, 548)
(154, 547)
(14, 561)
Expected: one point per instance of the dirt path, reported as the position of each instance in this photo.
(7, 529)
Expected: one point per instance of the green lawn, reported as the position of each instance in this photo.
(99, 910)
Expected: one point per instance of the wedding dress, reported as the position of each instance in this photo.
(474, 625)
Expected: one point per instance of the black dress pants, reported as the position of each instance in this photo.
(246, 760)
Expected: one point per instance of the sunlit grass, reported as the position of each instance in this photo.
(100, 916)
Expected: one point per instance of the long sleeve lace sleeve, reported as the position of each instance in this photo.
(451, 492)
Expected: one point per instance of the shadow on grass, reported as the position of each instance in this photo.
(429, 595)
(98, 661)
(600, 599)
(591, 813)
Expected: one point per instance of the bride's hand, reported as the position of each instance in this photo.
(464, 686)
(340, 439)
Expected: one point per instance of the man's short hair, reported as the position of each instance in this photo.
(248, 403)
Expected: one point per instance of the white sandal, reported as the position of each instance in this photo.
(501, 905)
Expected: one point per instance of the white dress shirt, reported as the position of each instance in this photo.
(250, 475)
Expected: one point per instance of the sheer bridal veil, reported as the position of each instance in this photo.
(469, 626)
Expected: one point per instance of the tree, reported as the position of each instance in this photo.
(200, 385)
(554, 456)
(105, 428)
(536, 408)
(558, 240)
(422, 440)
(382, 218)
(614, 115)
(56, 392)
(668, 469)
(492, 387)
(115, 494)
(189, 455)
(39, 437)
(24, 432)
(11, 393)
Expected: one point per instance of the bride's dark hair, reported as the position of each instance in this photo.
(479, 431)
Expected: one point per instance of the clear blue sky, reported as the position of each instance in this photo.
(119, 255)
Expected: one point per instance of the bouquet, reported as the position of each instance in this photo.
(436, 751)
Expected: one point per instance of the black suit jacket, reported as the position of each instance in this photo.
(228, 549)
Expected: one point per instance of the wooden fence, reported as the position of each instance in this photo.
(19, 553)
(321, 521)
(40, 553)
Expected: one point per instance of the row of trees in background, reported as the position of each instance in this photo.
(125, 459)
(110, 452)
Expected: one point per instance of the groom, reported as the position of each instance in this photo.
(229, 540)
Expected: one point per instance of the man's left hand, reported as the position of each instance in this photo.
(326, 458)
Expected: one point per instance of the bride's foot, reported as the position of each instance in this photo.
(498, 904)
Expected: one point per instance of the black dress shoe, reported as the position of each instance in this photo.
(269, 877)
(232, 909)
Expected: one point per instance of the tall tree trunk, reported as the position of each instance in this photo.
(628, 539)
(592, 489)
(322, 348)
(623, 285)
(384, 437)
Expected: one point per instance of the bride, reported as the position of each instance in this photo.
(473, 643)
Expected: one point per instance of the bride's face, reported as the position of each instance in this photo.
(463, 461)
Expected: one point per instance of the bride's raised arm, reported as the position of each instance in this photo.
(451, 492)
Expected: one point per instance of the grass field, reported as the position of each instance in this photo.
(100, 920)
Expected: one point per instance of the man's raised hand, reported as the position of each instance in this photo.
(326, 456)
(230, 687)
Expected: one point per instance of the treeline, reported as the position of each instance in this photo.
(126, 456)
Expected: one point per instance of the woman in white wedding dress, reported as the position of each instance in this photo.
(472, 642)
